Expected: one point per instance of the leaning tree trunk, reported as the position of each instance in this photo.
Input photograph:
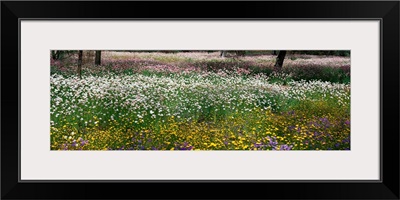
(97, 60)
(80, 53)
(279, 60)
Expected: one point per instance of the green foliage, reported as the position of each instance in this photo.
(345, 53)
(308, 73)
(256, 69)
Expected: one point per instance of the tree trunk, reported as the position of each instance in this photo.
(80, 53)
(279, 60)
(53, 55)
(240, 53)
(97, 60)
(223, 53)
(57, 55)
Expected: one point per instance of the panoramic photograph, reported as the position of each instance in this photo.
(162, 100)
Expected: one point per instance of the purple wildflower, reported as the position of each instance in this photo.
(286, 147)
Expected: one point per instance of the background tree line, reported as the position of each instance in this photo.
(280, 54)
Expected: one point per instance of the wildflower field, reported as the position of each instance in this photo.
(200, 101)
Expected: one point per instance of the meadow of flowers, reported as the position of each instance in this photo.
(197, 101)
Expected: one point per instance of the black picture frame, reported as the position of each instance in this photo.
(13, 11)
